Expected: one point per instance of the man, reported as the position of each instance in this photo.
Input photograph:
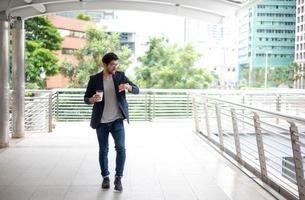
(108, 112)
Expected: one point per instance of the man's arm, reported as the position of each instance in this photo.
(89, 94)
(133, 88)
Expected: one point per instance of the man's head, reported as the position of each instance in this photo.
(110, 62)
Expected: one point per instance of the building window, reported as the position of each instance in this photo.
(70, 33)
(67, 51)
(77, 34)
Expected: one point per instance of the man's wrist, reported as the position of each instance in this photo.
(129, 88)
(91, 100)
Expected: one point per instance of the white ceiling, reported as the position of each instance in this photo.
(210, 10)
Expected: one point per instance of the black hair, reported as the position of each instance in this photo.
(108, 57)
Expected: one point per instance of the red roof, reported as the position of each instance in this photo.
(69, 23)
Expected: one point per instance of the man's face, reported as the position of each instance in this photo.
(112, 66)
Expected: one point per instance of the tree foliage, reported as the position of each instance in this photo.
(170, 66)
(40, 29)
(84, 17)
(277, 76)
(41, 39)
(98, 43)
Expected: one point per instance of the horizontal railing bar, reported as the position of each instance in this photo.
(272, 113)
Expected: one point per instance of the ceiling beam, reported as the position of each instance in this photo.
(150, 6)
(40, 7)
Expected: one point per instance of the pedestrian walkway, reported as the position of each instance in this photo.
(165, 161)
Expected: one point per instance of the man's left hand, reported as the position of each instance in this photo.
(125, 87)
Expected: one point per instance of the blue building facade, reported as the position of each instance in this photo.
(267, 29)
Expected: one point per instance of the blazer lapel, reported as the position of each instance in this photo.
(99, 81)
(116, 83)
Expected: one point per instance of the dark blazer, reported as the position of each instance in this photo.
(96, 83)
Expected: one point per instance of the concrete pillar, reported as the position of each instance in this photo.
(18, 78)
(4, 83)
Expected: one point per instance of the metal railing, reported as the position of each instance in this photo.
(290, 101)
(38, 112)
(268, 143)
(149, 105)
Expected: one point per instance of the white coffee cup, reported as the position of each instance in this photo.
(100, 93)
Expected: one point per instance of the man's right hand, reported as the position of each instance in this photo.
(95, 98)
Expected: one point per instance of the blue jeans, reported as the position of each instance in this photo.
(116, 128)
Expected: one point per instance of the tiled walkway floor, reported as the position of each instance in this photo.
(165, 160)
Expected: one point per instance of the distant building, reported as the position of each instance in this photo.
(300, 45)
(73, 32)
(96, 16)
(217, 44)
(267, 34)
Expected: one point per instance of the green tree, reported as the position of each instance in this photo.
(84, 17)
(282, 75)
(170, 66)
(98, 43)
(295, 70)
(41, 39)
(276, 76)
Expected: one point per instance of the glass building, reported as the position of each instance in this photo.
(267, 29)
(300, 45)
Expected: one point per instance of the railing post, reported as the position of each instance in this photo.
(50, 112)
(220, 130)
(188, 102)
(195, 115)
(297, 157)
(243, 112)
(278, 106)
(236, 135)
(153, 106)
(260, 146)
(149, 106)
(57, 105)
(243, 99)
(146, 108)
(207, 123)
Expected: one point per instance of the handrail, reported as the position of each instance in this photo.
(231, 126)
(205, 91)
(291, 118)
